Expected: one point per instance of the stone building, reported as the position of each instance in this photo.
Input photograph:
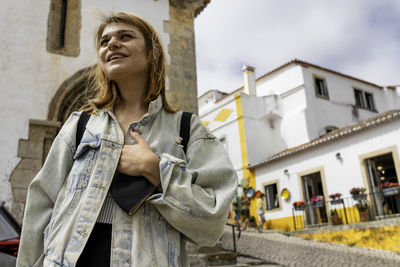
(46, 48)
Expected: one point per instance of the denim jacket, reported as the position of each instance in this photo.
(66, 196)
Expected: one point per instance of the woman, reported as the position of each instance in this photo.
(71, 219)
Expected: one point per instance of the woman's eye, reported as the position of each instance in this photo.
(103, 43)
(125, 37)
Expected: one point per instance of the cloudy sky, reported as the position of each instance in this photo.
(360, 38)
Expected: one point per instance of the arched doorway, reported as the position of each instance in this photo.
(69, 97)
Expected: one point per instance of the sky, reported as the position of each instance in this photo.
(360, 38)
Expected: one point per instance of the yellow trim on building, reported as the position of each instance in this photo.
(243, 147)
(247, 174)
(223, 114)
(287, 223)
(284, 224)
(205, 123)
(386, 237)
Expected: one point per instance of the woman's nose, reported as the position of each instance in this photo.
(113, 43)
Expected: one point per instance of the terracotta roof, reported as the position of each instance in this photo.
(211, 91)
(334, 135)
(306, 64)
(392, 87)
(225, 96)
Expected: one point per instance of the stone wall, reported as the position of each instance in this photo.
(182, 81)
(33, 152)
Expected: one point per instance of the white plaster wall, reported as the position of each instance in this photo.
(260, 113)
(294, 125)
(280, 82)
(340, 177)
(30, 75)
(228, 128)
(337, 110)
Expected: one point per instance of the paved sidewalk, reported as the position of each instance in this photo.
(285, 250)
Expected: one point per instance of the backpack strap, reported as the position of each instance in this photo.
(83, 120)
(185, 129)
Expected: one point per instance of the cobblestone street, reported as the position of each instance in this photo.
(275, 247)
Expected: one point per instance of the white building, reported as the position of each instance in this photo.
(364, 154)
(282, 110)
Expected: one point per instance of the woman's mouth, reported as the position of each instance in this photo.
(115, 56)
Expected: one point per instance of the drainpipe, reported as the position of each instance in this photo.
(249, 80)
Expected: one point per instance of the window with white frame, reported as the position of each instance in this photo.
(364, 99)
(321, 90)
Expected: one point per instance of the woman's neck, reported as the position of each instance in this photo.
(131, 106)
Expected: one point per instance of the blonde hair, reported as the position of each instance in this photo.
(105, 93)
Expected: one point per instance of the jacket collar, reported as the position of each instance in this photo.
(153, 109)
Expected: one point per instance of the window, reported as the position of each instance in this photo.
(364, 99)
(271, 196)
(359, 98)
(326, 130)
(369, 100)
(321, 89)
(63, 27)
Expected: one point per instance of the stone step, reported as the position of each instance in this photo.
(212, 259)
(194, 249)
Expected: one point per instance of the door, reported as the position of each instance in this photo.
(312, 187)
(383, 184)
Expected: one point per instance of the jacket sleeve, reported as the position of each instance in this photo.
(42, 194)
(198, 192)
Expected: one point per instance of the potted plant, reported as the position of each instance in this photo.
(390, 188)
(358, 193)
(299, 205)
(335, 219)
(317, 201)
(363, 211)
(336, 198)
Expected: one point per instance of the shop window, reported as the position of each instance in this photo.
(384, 184)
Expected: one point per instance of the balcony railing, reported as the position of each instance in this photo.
(378, 205)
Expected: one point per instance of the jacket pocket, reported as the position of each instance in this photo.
(163, 240)
(84, 161)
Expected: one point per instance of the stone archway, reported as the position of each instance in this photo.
(69, 97)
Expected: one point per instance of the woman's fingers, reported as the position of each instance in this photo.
(136, 136)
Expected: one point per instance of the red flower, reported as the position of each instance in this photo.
(298, 203)
(317, 198)
(334, 196)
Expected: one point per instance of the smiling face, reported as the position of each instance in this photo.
(122, 51)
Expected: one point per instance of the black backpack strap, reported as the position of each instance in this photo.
(185, 129)
(83, 120)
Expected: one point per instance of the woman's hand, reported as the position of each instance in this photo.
(139, 160)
